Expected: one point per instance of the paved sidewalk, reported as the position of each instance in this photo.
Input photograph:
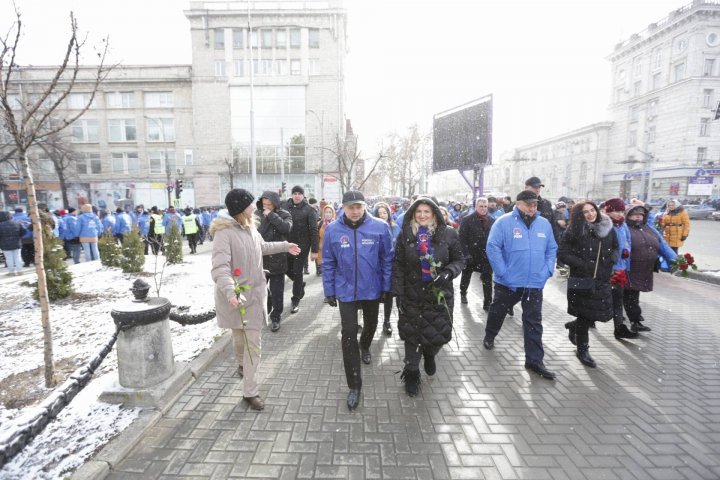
(651, 410)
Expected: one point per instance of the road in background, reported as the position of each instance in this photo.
(704, 243)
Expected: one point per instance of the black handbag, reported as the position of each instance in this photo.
(584, 283)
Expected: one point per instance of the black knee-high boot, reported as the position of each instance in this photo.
(582, 338)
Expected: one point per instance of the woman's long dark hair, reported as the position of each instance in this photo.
(577, 219)
(389, 220)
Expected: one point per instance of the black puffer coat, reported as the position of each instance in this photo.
(473, 238)
(11, 232)
(425, 321)
(305, 225)
(274, 228)
(579, 250)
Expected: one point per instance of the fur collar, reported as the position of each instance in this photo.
(603, 227)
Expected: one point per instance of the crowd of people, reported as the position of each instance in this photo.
(406, 257)
(401, 256)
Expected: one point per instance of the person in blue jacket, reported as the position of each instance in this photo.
(68, 233)
(143, 224)
(172, 216)
(522, 252)
(27, 252)
(107, 219)
(88, 229)
(123, 225)
(357, 257)
(205, 220)
(383, 212)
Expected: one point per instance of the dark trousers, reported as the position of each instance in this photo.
(388, 305)
(119, 238)
(27, 253)
(531, 301)
(349, 330)
(155, 243)
(675, 249)
(617, 300)
(485, 278)
(192, 239)
(296, 265)
(631, 301)
(413, 354)
(276, 285)
(582, 327)
(146, 243)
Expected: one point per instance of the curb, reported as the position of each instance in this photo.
(706, 277)
(99, 466)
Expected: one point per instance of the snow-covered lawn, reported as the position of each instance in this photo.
(80, 328)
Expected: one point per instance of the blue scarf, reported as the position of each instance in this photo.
(424, 247)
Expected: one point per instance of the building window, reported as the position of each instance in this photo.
(79, 101)
(85, 131)
(160, 129)
(281, 67)
(656, 81)
(45, 166)
(709, 67)
(618, 94)
(188, 158)
(651, 134)
(657, 59)
(281, 38)
(701, 155)
(219, 68)
(294, 38)
(707, 98)
(88, 163)
(632, 138)
(238, 38)
(652, 109)
(120, 100)
(219, 38)
(158, 99)
(125, 163)
(314, 37)
(156, 162)
(266, 37)
(265, 67)
(634, 113)
(637, 67)
(637, 89)
(294, 67)
(679, 72)
(253, 39)
(314, 66)
(704, 122)
(239, 68)
(121, 130)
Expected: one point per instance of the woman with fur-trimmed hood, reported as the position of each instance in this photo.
(590, 248)
(237, 257)
(428, 256)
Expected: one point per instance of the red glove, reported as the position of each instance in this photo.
(625, 253)
(619, 278)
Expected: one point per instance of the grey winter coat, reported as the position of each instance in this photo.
(236, 246)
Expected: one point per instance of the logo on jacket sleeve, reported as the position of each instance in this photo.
(517, 233)
(344, 241)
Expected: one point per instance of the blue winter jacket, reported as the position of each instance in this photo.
(26, 222)
(108, 222)
(123, 224)
(170, 217)
(521, 257)
(624, 243)
(143, 223)
(206, 218)
(357, 262)
(68, 227)
(88, 226)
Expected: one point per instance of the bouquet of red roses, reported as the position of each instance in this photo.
(683, 263)
(619, 278)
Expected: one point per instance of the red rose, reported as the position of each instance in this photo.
(688, 256)
(690, 260)
(423, 248)
(237, 272)
(683, 266)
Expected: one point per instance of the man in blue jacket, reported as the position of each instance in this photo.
(123, 225)
(521, 249)
(357, 257)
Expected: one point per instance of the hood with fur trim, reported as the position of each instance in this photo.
(603, 227)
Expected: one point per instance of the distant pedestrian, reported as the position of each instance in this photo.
(357, 267)
(304, 233)
(474, 233)
(27, 251)
(427, 259)
(327, 217)
(521, 249)
(382, 211)
(676, 224)
(589, 248)
(237, 264)
(11, 232)
(191, 227)
(156, 230)
(89, 229)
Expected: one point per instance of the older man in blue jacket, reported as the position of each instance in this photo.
(521, 249)
(357, 257)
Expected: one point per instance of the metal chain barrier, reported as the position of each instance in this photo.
(187, 319)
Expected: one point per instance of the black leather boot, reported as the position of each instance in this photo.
(411, 379)
(571, 326)
(583, 354)
(387, 329)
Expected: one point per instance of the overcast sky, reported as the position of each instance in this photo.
(544, 62)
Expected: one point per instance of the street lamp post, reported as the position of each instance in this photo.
(169, 185)
(321, 120)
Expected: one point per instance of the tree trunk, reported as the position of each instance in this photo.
(63, 189)
(40, 270)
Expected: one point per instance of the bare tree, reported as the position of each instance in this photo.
(351, 164)
(28, 115)
(63, 159)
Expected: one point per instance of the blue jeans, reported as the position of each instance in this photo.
(91, 251)
(531, 300)
(13, 260)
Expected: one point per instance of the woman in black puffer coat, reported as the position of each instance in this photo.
(425, 323)
(589, 237)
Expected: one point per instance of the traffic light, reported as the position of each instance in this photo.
(284, 187)
(178, 188)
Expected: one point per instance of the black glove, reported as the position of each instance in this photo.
(443, 279)
(385, 296)
(400, 304)
(332, 301)
(683, 238)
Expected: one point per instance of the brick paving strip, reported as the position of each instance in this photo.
(651, 410)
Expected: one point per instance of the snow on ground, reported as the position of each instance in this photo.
(80, 328)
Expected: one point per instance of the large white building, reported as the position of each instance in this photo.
(152, 125)
(660, 140)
